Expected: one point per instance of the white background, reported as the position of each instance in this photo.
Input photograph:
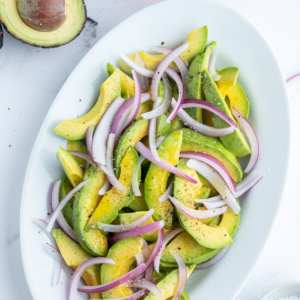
(31, 77)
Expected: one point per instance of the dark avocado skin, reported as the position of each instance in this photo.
(39, 46)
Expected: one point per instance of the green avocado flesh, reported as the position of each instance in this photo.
(138, 203)
(75, 19)
(86, 201)
(157, 178)
(192, 141)
(80, 147)
(234, 142)
(123, 253)
(227, 80)
(168, 285)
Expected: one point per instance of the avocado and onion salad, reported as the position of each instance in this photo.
(151, 175)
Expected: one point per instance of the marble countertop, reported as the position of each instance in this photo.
(30, 79)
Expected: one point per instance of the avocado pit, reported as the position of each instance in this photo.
(42, 15)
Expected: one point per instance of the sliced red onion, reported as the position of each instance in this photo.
(140, 259)
(166, 240)
(110, 285)
(183, 68)
(217, 181)
(89, 139)
(63, 202)
(205, 105)
(66, 228)
(128, 227)
(292, 77)
(134, 296)
(163, 65)
(165, 105)
(87, 165)
(211, 199)
(152, 132)
(139, 69)
(134, 109)
(214, 163)
(199, 127)
(246, 184)
(104, 188)
(212, 67)
(253, 140)
(198, 214)
(214, 204)
(109, 162)
(171, 73)
(159, 140)
(147, 253)
(43, 225)
(182, 276)
(213, 261)
(138, 231)
(169, 191)
(146, 284)
(135, 184)
(144, 81)
(141, 148)
(56, 274)
(102, 131)
(79, 271)
(85, 156)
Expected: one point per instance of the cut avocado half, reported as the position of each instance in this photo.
(75, 12)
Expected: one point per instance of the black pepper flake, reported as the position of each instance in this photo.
(162, 43)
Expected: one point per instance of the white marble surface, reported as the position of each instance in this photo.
(30, 78)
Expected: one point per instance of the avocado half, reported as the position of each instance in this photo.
(68, 31)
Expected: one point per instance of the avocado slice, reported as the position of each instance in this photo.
(197, 39)
(127, 84)
(80, 147)
(74, 256)
(234, 142)
(123, 253)
(75, 12)
(70, 165)
(157, 178)
(76, 129)
(185, 192)
(138, 203)
(190, 250)
(176, 124)
(115, 200)
(168, 285)
(145, 107)
(134, 133)
(227, 80)
(64, 189)
(196, 142)
(84, 205)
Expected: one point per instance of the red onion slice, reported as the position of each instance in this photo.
(147, 253)
(166, 240)
(159, 140)
(144, 81)
(128, 227)
(165, 105)
(292, 77)
(89, 139)
(134, 296)
(214, 163)
(138, 231)
(140, 259)
(169, 192)
(205, 105)
(217, 181)
(213, 261)
(246, 184)
(135, 184)
(163, 65)
(110, 285)
(212, 67)
(141, 148)
(152, 132)
(66, 228)
(109, 161)
(141, 70)
(198, 214)
(146, 284)
(211, 199)
(183, 68)
(105, 188)
(80, 270)
(43, 225)
(253, 140)
(102, 131)
(134, 109)
(171, 73)
(214, 204)
(63, 202)
(182, 276)
(85, 156)
(199, 127)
